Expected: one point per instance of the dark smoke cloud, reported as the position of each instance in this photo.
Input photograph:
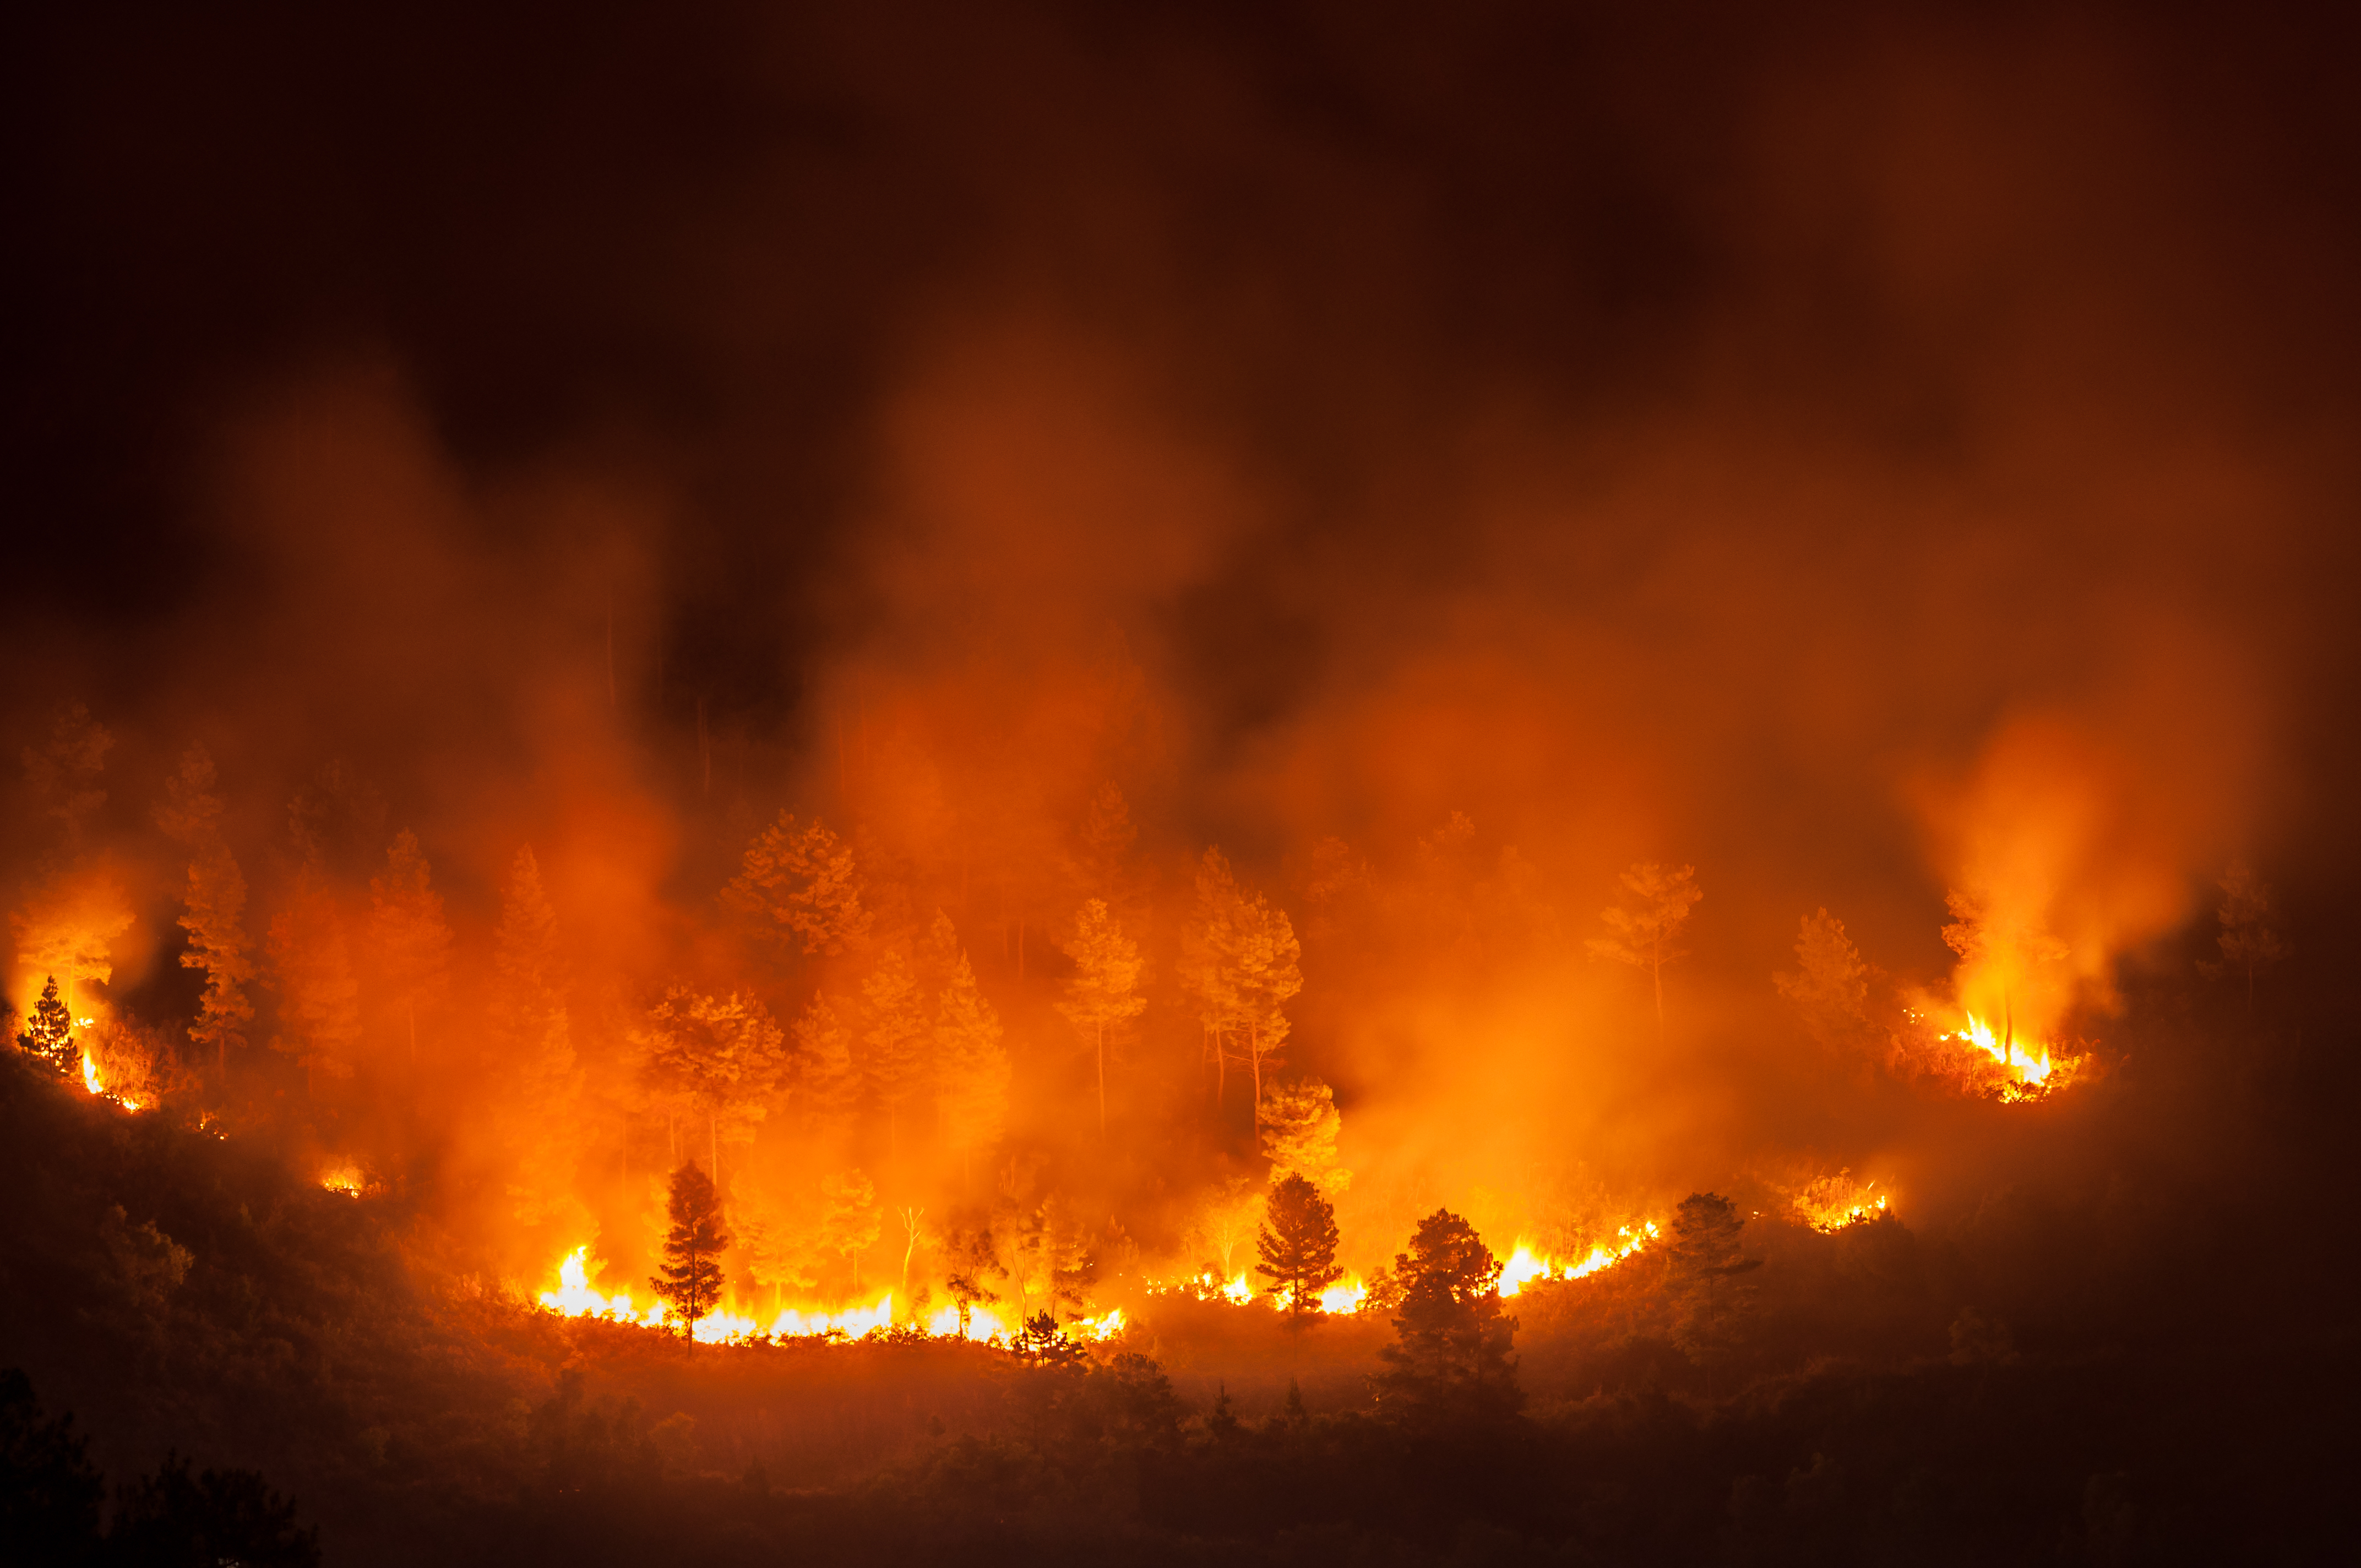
(1858, 454)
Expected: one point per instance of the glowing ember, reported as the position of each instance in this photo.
(346, 1179)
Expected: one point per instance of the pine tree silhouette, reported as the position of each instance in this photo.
(1298, 1248)
(49, 1035)
(690, 1279)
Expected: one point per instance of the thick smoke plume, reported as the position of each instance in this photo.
(1439, 490)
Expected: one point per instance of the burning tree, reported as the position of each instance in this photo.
(719, 1058)
(894, 1057)
(828, 1084)
(971, 1261)
(319, 1000)
(971, 1068)
(1299, 1123)
(49, 1034)
(531, 1035)
(689, 1278)
(406, 933)
(214, 909)
(1102, 994)
(1241, 960)
(1830, 984)
(2249, 942)
(1450, 1360)
(849, 1219)
(1298, 1247)
(1104, 863)
(800, 887)
(1645, 937)
(1208, 971)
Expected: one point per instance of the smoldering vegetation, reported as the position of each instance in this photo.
(1000, 633)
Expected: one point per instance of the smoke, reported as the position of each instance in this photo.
(1876, 473)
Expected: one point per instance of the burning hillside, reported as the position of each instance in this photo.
(1548, 785)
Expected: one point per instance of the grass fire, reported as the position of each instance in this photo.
(1177, 785)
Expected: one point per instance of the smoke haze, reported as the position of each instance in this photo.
(1865, 458)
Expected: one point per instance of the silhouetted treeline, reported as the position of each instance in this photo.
(2131, 1370)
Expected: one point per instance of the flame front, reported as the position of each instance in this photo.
(2027, 1066)
(1523, 1267)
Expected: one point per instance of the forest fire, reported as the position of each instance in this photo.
(1211, 784)
(1524, 1265)
(2028, 1068)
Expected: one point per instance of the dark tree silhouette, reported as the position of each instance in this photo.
(49, 1493)
(1298, 1247)
(975, 1262)
(1705, 1264)
(1450, 1360)
(1043, 1344)
(50, 1035)
(690, 1279)
(217, 1516)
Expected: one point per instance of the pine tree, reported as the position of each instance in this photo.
(319, 999)
(1299, 1124)
(972, 1071)
(49, 1034)
(1710, 1294)
(689, 1279)
(718, 1057)
(1450, 1360)
(1105, 864)
(531, 1054)
(779, 1240)
(64, 774)
(1270, 974)
(1645, 937)
(800, 887)
(1209, 970)
(2250, 943)
(408, 935)
(971, 1262)
(1298, 1246)
(850, 1217)
(1830, 985)
(828, 1084)
(214, 912)
(1102, 993)
(894, 1042)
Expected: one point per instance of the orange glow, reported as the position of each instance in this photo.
(1524, 1265)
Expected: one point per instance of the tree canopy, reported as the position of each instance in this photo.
(1450, 1360)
